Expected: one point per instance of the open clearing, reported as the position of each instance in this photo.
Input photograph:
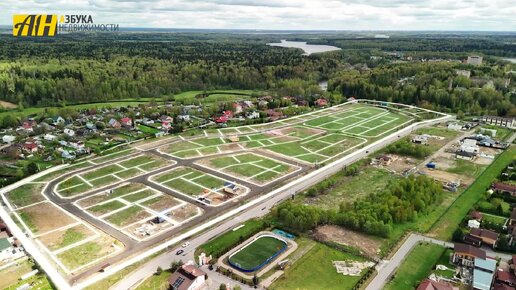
(250, 167)
(44, 217)
(368, 245)
(312, 138)
(315, 270)
(115, 172)
(66, 237)
(199, 185)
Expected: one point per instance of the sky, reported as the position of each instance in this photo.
(477, 15)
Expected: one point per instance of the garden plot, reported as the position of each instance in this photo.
(251, 167)
(25, 195)
(86, 254)
(138, 210)
(106, 175)
(66, 237)
(44, 217)
(200, 186)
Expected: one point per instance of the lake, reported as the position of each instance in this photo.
(307, 48)
(513, 60)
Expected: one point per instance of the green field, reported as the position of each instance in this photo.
(257, 252)
(127, 216)
(26, 194)
(252, 166)
(416, 267)
(189, 181)
(450, 219)
(108, 174)
(81, 255)
(106, 207)
(315, 270)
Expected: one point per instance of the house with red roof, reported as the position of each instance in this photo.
(428, 284)
(166, 125)
(188, 277)
(126, 121)
(505, 277)
(30, 147)
(504, 188)
(220, 119)
(321, 102)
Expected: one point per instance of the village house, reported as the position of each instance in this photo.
(321, 102)
(465, 255)
(30, 147)
(57, 120)
(504, 188)
(499, 121)
(428, 284)
(126, 122)
(114, 124)
(253, 115)
(28, 126)
(188, 277)
(69, 132)
(420, 139)
(505, 277)
(230, 187)
(488, 237)
(184, 118)
(274, 115)
(165, 118)
(165, 125)
(483, 273)
(237, 108)
(49, 137)
(8, 138)
(500, 286)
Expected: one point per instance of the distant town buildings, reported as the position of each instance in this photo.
(474, 60)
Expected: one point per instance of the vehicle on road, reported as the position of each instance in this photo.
(186, 244)
(179, 252)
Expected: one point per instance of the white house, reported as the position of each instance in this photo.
(8, 138)
(470, 146)
(454, 126)
(253, 115)
(185, 118)
(6, 249)
(50, 137)
(69, 132)
(473, 224)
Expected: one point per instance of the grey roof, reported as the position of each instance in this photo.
(4, 244)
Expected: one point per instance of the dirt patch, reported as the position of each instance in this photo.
(401, 164)
(229, 147)
(8, 105)
(45, 217)
(367, 245)
(444, 176)
(147, 229)
(184, 212)
(162, 203)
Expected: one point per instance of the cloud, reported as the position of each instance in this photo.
(284, 14)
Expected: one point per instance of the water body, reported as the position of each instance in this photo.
(307, 48)
(513, 60)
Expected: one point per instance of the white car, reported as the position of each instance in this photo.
(186, 244)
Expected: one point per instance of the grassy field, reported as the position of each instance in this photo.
(155, 282)
(106, 207)
(127, 216)
(80, 255)
(416, 267)
(315, 271)
(26, 194)
(189, 181)
(11, 275)
(257, 252)
(230, 238)
(251, 166)
(467, 168)
(449, 221)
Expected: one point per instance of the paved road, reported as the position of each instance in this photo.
(386, 268)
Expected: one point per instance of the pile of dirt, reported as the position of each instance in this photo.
(367, 245)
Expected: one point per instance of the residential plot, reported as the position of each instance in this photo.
(198, 185)
(44, 217)
(137, 210)
(25, 195)
(87, 253)
(66, 237)
(251, 167)
(104, 176)
(341, 129)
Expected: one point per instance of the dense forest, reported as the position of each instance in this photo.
(82, 68)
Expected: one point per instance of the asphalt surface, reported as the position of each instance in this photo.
(132, 246)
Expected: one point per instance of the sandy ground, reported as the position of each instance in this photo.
(8, 105)
(445, 176)
(184, 212)
(366, 244)
(47, 217)
(401, 163)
